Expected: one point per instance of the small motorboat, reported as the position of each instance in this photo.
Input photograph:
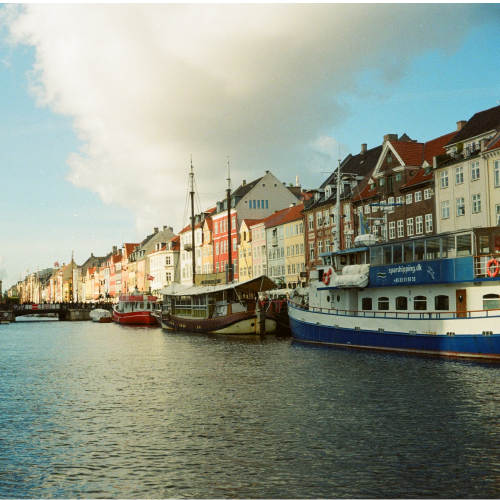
(101, 316)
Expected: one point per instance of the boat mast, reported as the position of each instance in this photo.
(191, 183)
(337, 235)
(230, 256)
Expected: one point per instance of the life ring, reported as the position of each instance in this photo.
(491, 263)
(5, 314)
(326, 277)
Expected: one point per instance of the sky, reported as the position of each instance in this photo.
(102, 106)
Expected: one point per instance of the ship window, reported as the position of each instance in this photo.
(464, 245)
(419, 250)
(484, 244)
(388, 254)
(376, 256)
(401, 303)
(420, 303)
(383, 303)
(397, 253)
(441, 303)
(432, 249)
(491, 301)
(448, 247)
(408, 251)
(366, 304)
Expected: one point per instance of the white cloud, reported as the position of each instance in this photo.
(148, 85)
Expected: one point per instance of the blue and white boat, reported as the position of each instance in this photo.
(434, 295)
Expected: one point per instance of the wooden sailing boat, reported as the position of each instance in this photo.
(231, 308)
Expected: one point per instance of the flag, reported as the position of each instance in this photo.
(150, 278)
(362, 224)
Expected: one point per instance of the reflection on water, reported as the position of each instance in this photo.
(99, 410)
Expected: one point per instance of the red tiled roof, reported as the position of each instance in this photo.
(366, 193)
(494, 143)
(129, 247)
(410, 152)
(209, 222)
(419, 177)
(283, 216)
(188, 228)
(251, 222)
(117, 257)
(436, 147)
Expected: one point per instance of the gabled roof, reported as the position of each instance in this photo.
(494, 143)
(129, 247)
(251, 222)
(361, 164)
(480, 123)
(244, 189)
(366, 193)
(436, 146)
(283, 216)
(117, 257)
(412, 153)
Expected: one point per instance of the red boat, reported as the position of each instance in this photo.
(136, 309)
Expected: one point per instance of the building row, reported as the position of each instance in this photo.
(399, 189)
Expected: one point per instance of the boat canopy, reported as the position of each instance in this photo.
(259, 284)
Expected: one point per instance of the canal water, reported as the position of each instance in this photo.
(105, 411)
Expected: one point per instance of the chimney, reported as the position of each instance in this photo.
(363, 149)
(120, 251)
(390, 137)
(165, 227)
(297, 183)
(267, 171)
(114, 250)
(460, 124)
(155, 230)
(243, 183)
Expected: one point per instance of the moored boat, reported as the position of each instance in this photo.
(136, 309)
(226, 309)
(434, 295)
(101, 316)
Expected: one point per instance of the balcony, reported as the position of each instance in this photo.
(464, 154)
(274, 241)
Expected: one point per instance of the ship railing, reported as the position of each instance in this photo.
(486, 313)
(480, 263)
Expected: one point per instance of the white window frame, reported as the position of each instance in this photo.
(409, 226)
(409, 198)
(496, 172)
(444, 179)
(418, 196)
(476, 203)
(459, 175)
(428, 223)
(474, 171)
(419, 224)
(460, 203)
(392, 230)
(427, 194)
(445, 209)
(401, 228)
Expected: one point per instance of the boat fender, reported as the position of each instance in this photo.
(489, 271)
(326, 277)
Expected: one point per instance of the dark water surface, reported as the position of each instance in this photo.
(100, 410)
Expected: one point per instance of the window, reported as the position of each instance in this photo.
(420, 303)
(401, 229)
(459, 175)
(311, 251)
(372, 186)
(491, 301)
(442, 303)
(367, 209)
(399, 199)
(320, 247)
(216, 228)
(476, 203)
(217, 249)
(383, 303)
(427, 194)
(399, 176)
(445, 209)
(497, 211)
(418, 196)
(409, 198)
(460, 206)
(419, 224)
(319, 220)
(409, 226)
(392, 230)
(381, 181)
(428, 223)
(474, 171)
(496, 169)
(310, 221)
(464, 245)
(327, 246)
(433, 248)
(390, 201)
(366, 304)
(444, 179)
(401, 303)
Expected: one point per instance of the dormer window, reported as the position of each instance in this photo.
(328, 191)
(389, 158)
(427, 170)
(372, 186)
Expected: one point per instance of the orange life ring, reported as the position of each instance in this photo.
(326, 277)
(489, 272)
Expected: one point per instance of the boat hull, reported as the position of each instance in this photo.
(443, 337)
(134, 318)
(242, 323)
